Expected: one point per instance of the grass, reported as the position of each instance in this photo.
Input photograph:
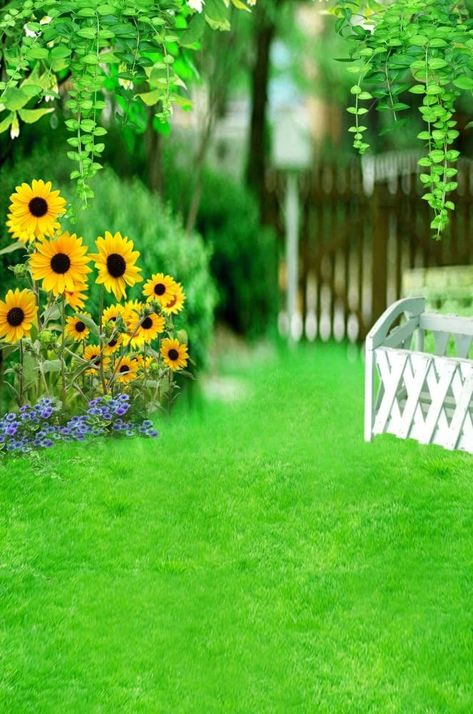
(258, 558)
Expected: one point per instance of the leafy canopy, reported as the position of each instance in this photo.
(134, 51)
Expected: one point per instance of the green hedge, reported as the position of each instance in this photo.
(244, 253)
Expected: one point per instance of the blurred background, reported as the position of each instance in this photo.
(252, 195)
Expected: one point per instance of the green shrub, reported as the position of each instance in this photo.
(128, 207)
(244, 254)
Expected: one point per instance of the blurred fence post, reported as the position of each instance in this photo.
(292, 253)
(379, 268)
(292, 154)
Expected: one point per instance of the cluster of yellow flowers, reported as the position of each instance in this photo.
(132, 335)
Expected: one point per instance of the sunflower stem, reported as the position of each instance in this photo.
(21, 385)
(145, 370)
(127, 349)
(102, 375)
(63, 350)
(170, 383)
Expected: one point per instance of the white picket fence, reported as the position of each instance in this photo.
(415, 394)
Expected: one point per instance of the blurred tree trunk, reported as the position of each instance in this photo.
(258, 140)
(154, 157)
(217, 71)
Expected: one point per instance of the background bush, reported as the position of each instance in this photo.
(244, 253)
(127, 206)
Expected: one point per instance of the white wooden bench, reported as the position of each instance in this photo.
(415, 394)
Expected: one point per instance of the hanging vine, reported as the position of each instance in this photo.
(413, 47)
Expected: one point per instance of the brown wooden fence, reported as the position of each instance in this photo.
(362, 227)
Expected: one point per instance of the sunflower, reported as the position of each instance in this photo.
(112, 313)
(17, 314)
(61, 264)
(174, 353)
(132, 308)
(143, 362)
(76, 298)
(127, 370)
(176, 303)
(115, 340)
(115, 262)
(76, 328)
(144, 329)
(34, 211)
(160, 287)
(92, 354)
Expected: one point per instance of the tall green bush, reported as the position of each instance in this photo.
(244, 253)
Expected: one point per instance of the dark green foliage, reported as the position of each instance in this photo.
(244, 253)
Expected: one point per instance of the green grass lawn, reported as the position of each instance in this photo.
(259, 557)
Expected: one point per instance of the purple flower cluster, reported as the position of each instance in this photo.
(40, 426)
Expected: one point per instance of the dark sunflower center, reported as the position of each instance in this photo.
(80, 326)
(38, 207)
(124, 368)
(147, 323)
(173, 354)
(116, 265)
(15, 316)
(60, 263)
(159, 289)
(112, 343)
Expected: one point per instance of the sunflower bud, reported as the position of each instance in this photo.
(20, 270)
(47, 338)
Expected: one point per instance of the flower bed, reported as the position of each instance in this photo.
(78, 367)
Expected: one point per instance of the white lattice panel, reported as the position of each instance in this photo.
(414, 394)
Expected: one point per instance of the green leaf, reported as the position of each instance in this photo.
(106, 10)
(216, 15)
(30, 116)
(60, 52)
(90, 59)
(15, 98)
(89, 322)
(86, 12)
(6, 123)
(52, 365)
(12, 247)
(88, 33)
(37, 52)
(150, 98)
(437, 63)
(418, 40)
(437, 155)
(463, 82)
